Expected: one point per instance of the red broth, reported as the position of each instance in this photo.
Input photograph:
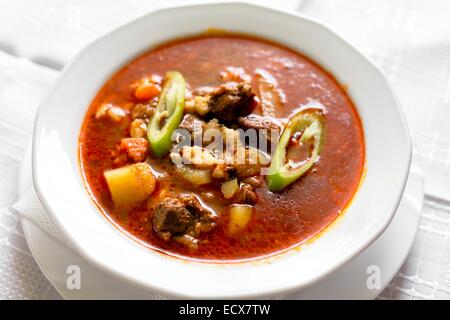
(281, 220)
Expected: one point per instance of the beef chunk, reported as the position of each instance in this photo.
(200, 213)
(182, 218)
(255, 181)
(247, 194)
(258, 123)
(192, 123)
(171, 217)
(230, 101)
(254, 121)
(143, 111)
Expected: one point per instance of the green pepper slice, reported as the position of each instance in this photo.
(310, 125)
(168, 115)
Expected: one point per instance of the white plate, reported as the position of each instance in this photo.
(60, 187)
(349, 282)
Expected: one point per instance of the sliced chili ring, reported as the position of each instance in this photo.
(168, 115)
(310, 124)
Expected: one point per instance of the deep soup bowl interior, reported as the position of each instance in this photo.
(60, 186)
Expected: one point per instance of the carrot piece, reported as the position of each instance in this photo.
(147, 90)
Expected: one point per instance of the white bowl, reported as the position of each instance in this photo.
(59, 184)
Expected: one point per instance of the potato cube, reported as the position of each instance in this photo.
(240, 216)
(131, 184)
(229, 188)
(195, 176)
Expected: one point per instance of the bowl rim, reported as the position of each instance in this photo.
(39, 121)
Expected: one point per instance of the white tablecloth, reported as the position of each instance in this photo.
(408, 39)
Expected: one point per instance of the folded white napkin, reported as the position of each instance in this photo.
(30, 207)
